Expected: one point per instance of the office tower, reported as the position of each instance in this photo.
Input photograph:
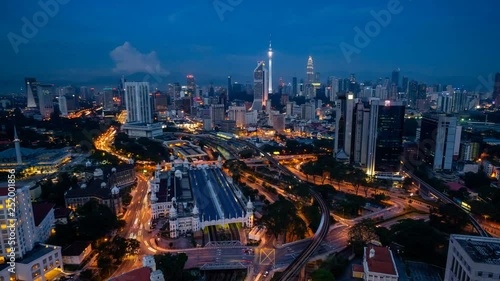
(191, 86)
(438, 136)
(22, 220)
(385, 136)
(138, 102)
(472, 258)
(360, 133)
(412, 93)
(237, 113)
(278, 121)
(301, 88)
(395, 77)
(31, 92)
(211, 90)
(496, 88)
(259, 86)
(84, 93)
(333, 86)
(444, 102)
(223, 99)
(160, 101)
(367, 92)
(308, 111)
(295, 90)
(343, 126)
(108, 102)
(45, 99)
(459, 100)
(310, 70)
(270, 56)
(229, 87)
(63, 105)
(218, 113)
(405, 85)
(422, 92)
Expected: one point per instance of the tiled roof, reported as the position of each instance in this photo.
(381, 262)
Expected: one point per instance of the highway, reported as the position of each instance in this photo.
(446, 199)
(293, 269)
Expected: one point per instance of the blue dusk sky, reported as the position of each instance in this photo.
(95, 42)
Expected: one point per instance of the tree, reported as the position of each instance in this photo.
(322, 275)
(172, 266)
(95, 220)
(361, 234)
(357, 178)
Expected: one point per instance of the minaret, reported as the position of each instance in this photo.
(17, 145)
(270, 56)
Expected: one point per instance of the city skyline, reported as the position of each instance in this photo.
(93, 52)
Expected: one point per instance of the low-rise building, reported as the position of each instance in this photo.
(379, 264)
(473, 258)
(63, 215)
(77, 252)
(94, 190)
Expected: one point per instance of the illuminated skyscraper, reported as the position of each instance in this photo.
(31, 92)
(310, 70)
(191, 85)
(138, 102)
(259, 86)
(270, 56)
(45, 96)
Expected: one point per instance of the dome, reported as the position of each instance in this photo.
(88, 163)
(172, 211)
(84, 185)
(219, 158)
(115, 190)
(131, 161)
(195, 210)
(103, 185)
(113, 170)
(158, 167)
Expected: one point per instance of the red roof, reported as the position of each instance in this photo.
(381, 262)
(40, 211)
(140, 274)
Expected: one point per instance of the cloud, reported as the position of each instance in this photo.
(129, 60)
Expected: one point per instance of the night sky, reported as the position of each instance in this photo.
(98, 41)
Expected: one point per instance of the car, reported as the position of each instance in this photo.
(266, 273)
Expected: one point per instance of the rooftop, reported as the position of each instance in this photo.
(381, 261)
(140, 274)
(62, 212)
(40, 211)
(480, 249)
(76, 248)
(37, 252)
(92, 189)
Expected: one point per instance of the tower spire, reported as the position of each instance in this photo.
(270, 56)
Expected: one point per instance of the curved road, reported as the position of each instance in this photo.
(294, 268)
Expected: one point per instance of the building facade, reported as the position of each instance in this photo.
(138, 102)
(473, 258)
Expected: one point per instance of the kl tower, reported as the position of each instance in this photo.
(270, 56)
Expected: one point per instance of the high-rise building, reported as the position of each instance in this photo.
(218, 113)
(259, 86)
(438, 137)
(395, 77)
(237, 113)
(108, 101)
(472, 258)
(229, 87)
(138, 102)
(295, 90)
(20, 221)
(361, 136)
(405, 85)
(310, 70)
(31, 92)
(385, 133)
(45, 99)
(343, 126)
(270, 56)
(191, 86)
(84, 93)
(63, 105)
(412, 93)
(469, 151)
